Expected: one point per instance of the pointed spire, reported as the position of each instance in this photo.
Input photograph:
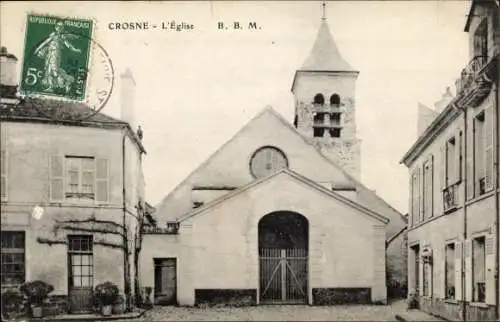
(325, 55)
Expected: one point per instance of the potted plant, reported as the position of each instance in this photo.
(106, 293)
(119, 305)
(12, 304)
(36, 293)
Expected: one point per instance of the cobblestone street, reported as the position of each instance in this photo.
(277, 313)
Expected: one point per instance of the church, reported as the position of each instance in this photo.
(277, 215)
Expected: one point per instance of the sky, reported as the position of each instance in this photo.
(196, 88)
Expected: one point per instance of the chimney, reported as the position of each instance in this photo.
(128, 98)
(425, 118)
(444, 101)
(8, 74)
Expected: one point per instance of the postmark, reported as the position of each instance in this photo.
(64, 63)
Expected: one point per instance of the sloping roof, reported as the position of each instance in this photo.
(295, 176)
(62, 112)
(364, 196)
(325, 56)
(472, 8)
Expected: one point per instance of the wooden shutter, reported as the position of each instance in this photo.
(102, 180)
(443, 166)
(4, 161)
(57, 178)
(430, 187)
(468, 270)
(458, 156)
(490, 269)
(410, 206)
(488, 147)
(458, 270)
(470, 159)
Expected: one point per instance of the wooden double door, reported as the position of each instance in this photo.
(283, 276)
(165, 271)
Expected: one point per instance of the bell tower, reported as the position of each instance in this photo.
(324, 91)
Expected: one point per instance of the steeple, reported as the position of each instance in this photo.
(325, 55)
(324, 91)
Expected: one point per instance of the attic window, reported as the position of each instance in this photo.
(335, 133)
(319, 99)
(335, 99)
(172, 227)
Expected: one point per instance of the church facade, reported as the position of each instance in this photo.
(278, 214)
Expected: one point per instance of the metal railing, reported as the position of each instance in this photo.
(470, 72)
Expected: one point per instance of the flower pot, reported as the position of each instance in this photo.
(119, 308)
(106, 310)
(36, 311)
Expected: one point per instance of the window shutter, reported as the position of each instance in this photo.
(458, 270)
(490, 269)
(470, 161)
(421, 274)
(468, 270)
(488, 146)
(421, 194)
(3, 176)
(56, 178)
(410, 207)
(102, 180)
(443, 167)
(430, 186)
(458, 157)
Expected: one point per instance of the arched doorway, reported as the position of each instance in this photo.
(283, 255)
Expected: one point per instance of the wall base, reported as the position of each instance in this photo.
(331, 296)
(229, 297)
(452, 310)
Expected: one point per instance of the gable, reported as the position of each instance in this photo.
(286, 190)
(229, 165)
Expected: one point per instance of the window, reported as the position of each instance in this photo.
(319, 99)
(80, 177)
(335, 99)
(80, 248)
(13, 260)
(319, 132)
(426, 259)
(481, 40)
(3, 175)
(479, 160)
(478, 269)
(428, 185)
(335, 133)
(450, 271)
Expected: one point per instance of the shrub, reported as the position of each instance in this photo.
(12, 304)
(106, 293)
(36, 291)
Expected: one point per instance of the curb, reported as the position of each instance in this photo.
(92, 318)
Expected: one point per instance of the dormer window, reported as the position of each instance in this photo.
(319, 99)
(481, 40)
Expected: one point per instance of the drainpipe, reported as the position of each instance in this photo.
(464, 284)
(126, 270)
(497, 203)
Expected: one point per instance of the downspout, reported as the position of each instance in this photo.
(126, 285)
(464, 284)
(497, 203)
(464, 233)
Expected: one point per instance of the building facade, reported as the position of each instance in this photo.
(277, 214)
(454, 186)
(69, 196)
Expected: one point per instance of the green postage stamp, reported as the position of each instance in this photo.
(56, 56)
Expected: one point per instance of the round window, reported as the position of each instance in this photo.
(267, 160)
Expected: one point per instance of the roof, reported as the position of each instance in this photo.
(62, 112)
(295, 176)
(325, 55)
(367, 197)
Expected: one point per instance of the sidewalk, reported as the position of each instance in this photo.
(416, 315)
